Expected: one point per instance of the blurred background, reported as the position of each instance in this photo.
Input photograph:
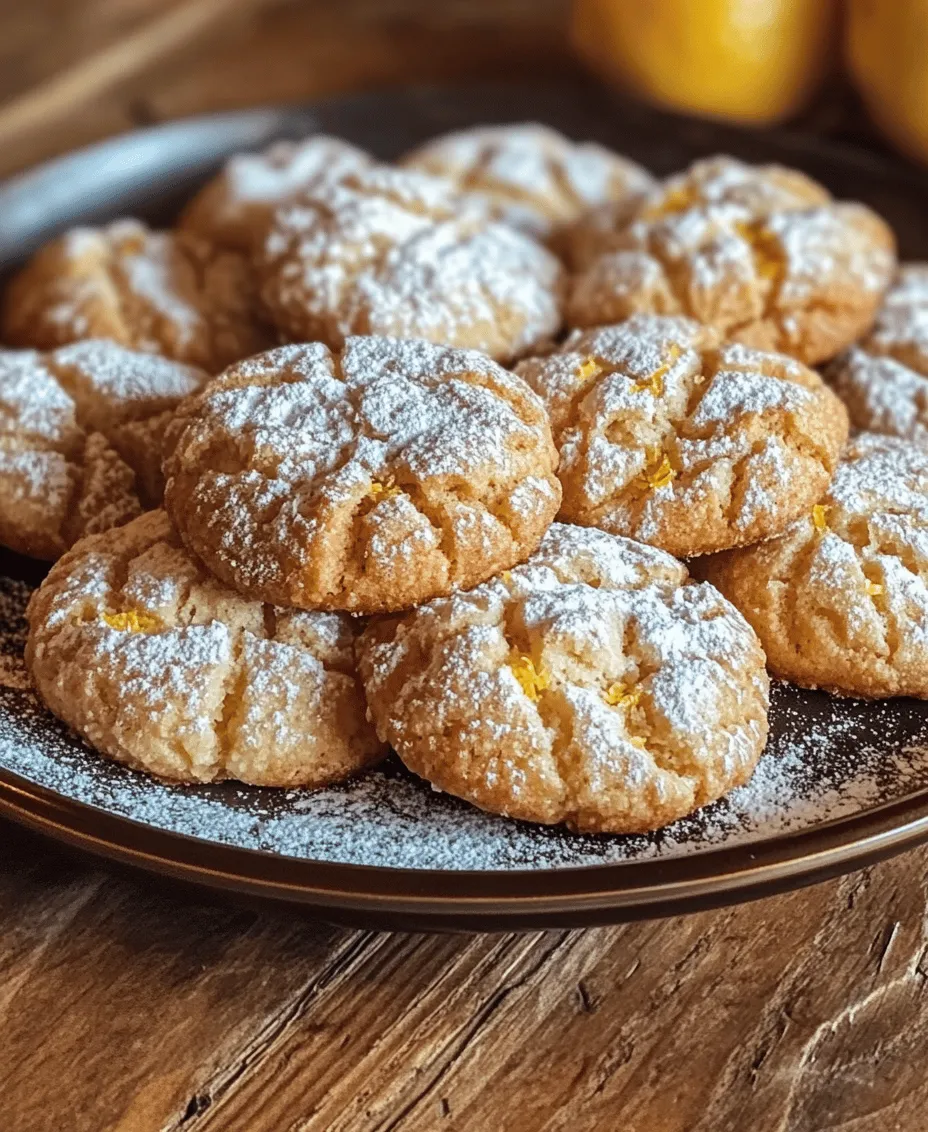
(72, 71)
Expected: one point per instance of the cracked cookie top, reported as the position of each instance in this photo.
(168, 293)
(594, 685)
(158, 665)
(393, 251)
(531, 176)
(235, 208)
(883, 380)
(367, 480)
(840, 600)
(760, 253)
(667, 437)
(80, 440)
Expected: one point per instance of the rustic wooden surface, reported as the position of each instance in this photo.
(128, 1008)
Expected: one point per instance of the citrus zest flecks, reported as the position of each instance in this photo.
(589, 368)
(654, 382)
(383, 490)
(133, 621)
(820, 516)
(620, 695)
(768, 257)
(874, 589)
(658, 472)
(532, 680)
(675, 200)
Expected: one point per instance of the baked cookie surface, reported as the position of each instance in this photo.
(168, 293)
(883, 380)
(593, 685)
(755, 253)
(235, 208)
(369, 480)
(529, 175)
(80, 440)
(396, 252)
(840, 601)
(156, 664)
(669, 438)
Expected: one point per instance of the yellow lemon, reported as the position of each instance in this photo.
(747, 60)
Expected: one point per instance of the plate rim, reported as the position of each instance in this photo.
(496, 898)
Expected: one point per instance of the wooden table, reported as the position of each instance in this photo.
(130, 1008)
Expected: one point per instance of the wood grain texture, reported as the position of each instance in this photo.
(127, 1008)
(119, 63)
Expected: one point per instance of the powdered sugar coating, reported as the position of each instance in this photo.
(369, 480)
(841, 599)
(529, 175)
(593, 685)
(769, 264)
(666, 437)
(167, 293)
(80, 440)
(395, 252)
(158, 665)
(883, 380)
(235, 208)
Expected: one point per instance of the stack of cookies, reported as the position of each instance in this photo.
(363, 456)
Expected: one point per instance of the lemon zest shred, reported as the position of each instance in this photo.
(531, 679)
(589, 368)
(676, 200)
(764, 247)
(638, 741)
(620, 695)
(658, 472)
(874, 589)
(383, 490)
(654, 382)
(820, 516)
(133, 621)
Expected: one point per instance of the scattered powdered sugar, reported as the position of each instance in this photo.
(827, 758)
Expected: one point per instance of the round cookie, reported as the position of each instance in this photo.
(769, 265)
(883, 380)
(840, 600)
(156, 664)
(396, 252)
(366, 481)
(594, 685)
(667, 437)
(81, 430)
(168, 293)
(531, 176)
(235, 208)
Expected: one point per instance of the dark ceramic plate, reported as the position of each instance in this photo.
(842, 783)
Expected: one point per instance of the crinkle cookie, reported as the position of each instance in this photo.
(531, 176)
(883, 380)
(235, 208)
(366, 481)
(593, 685)
(667, 437)
(762, 255)
(840, 601)
(397, 252)
(80, 440)
(156, 664)
(168, 293)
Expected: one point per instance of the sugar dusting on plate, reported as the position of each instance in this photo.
(827, 758)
